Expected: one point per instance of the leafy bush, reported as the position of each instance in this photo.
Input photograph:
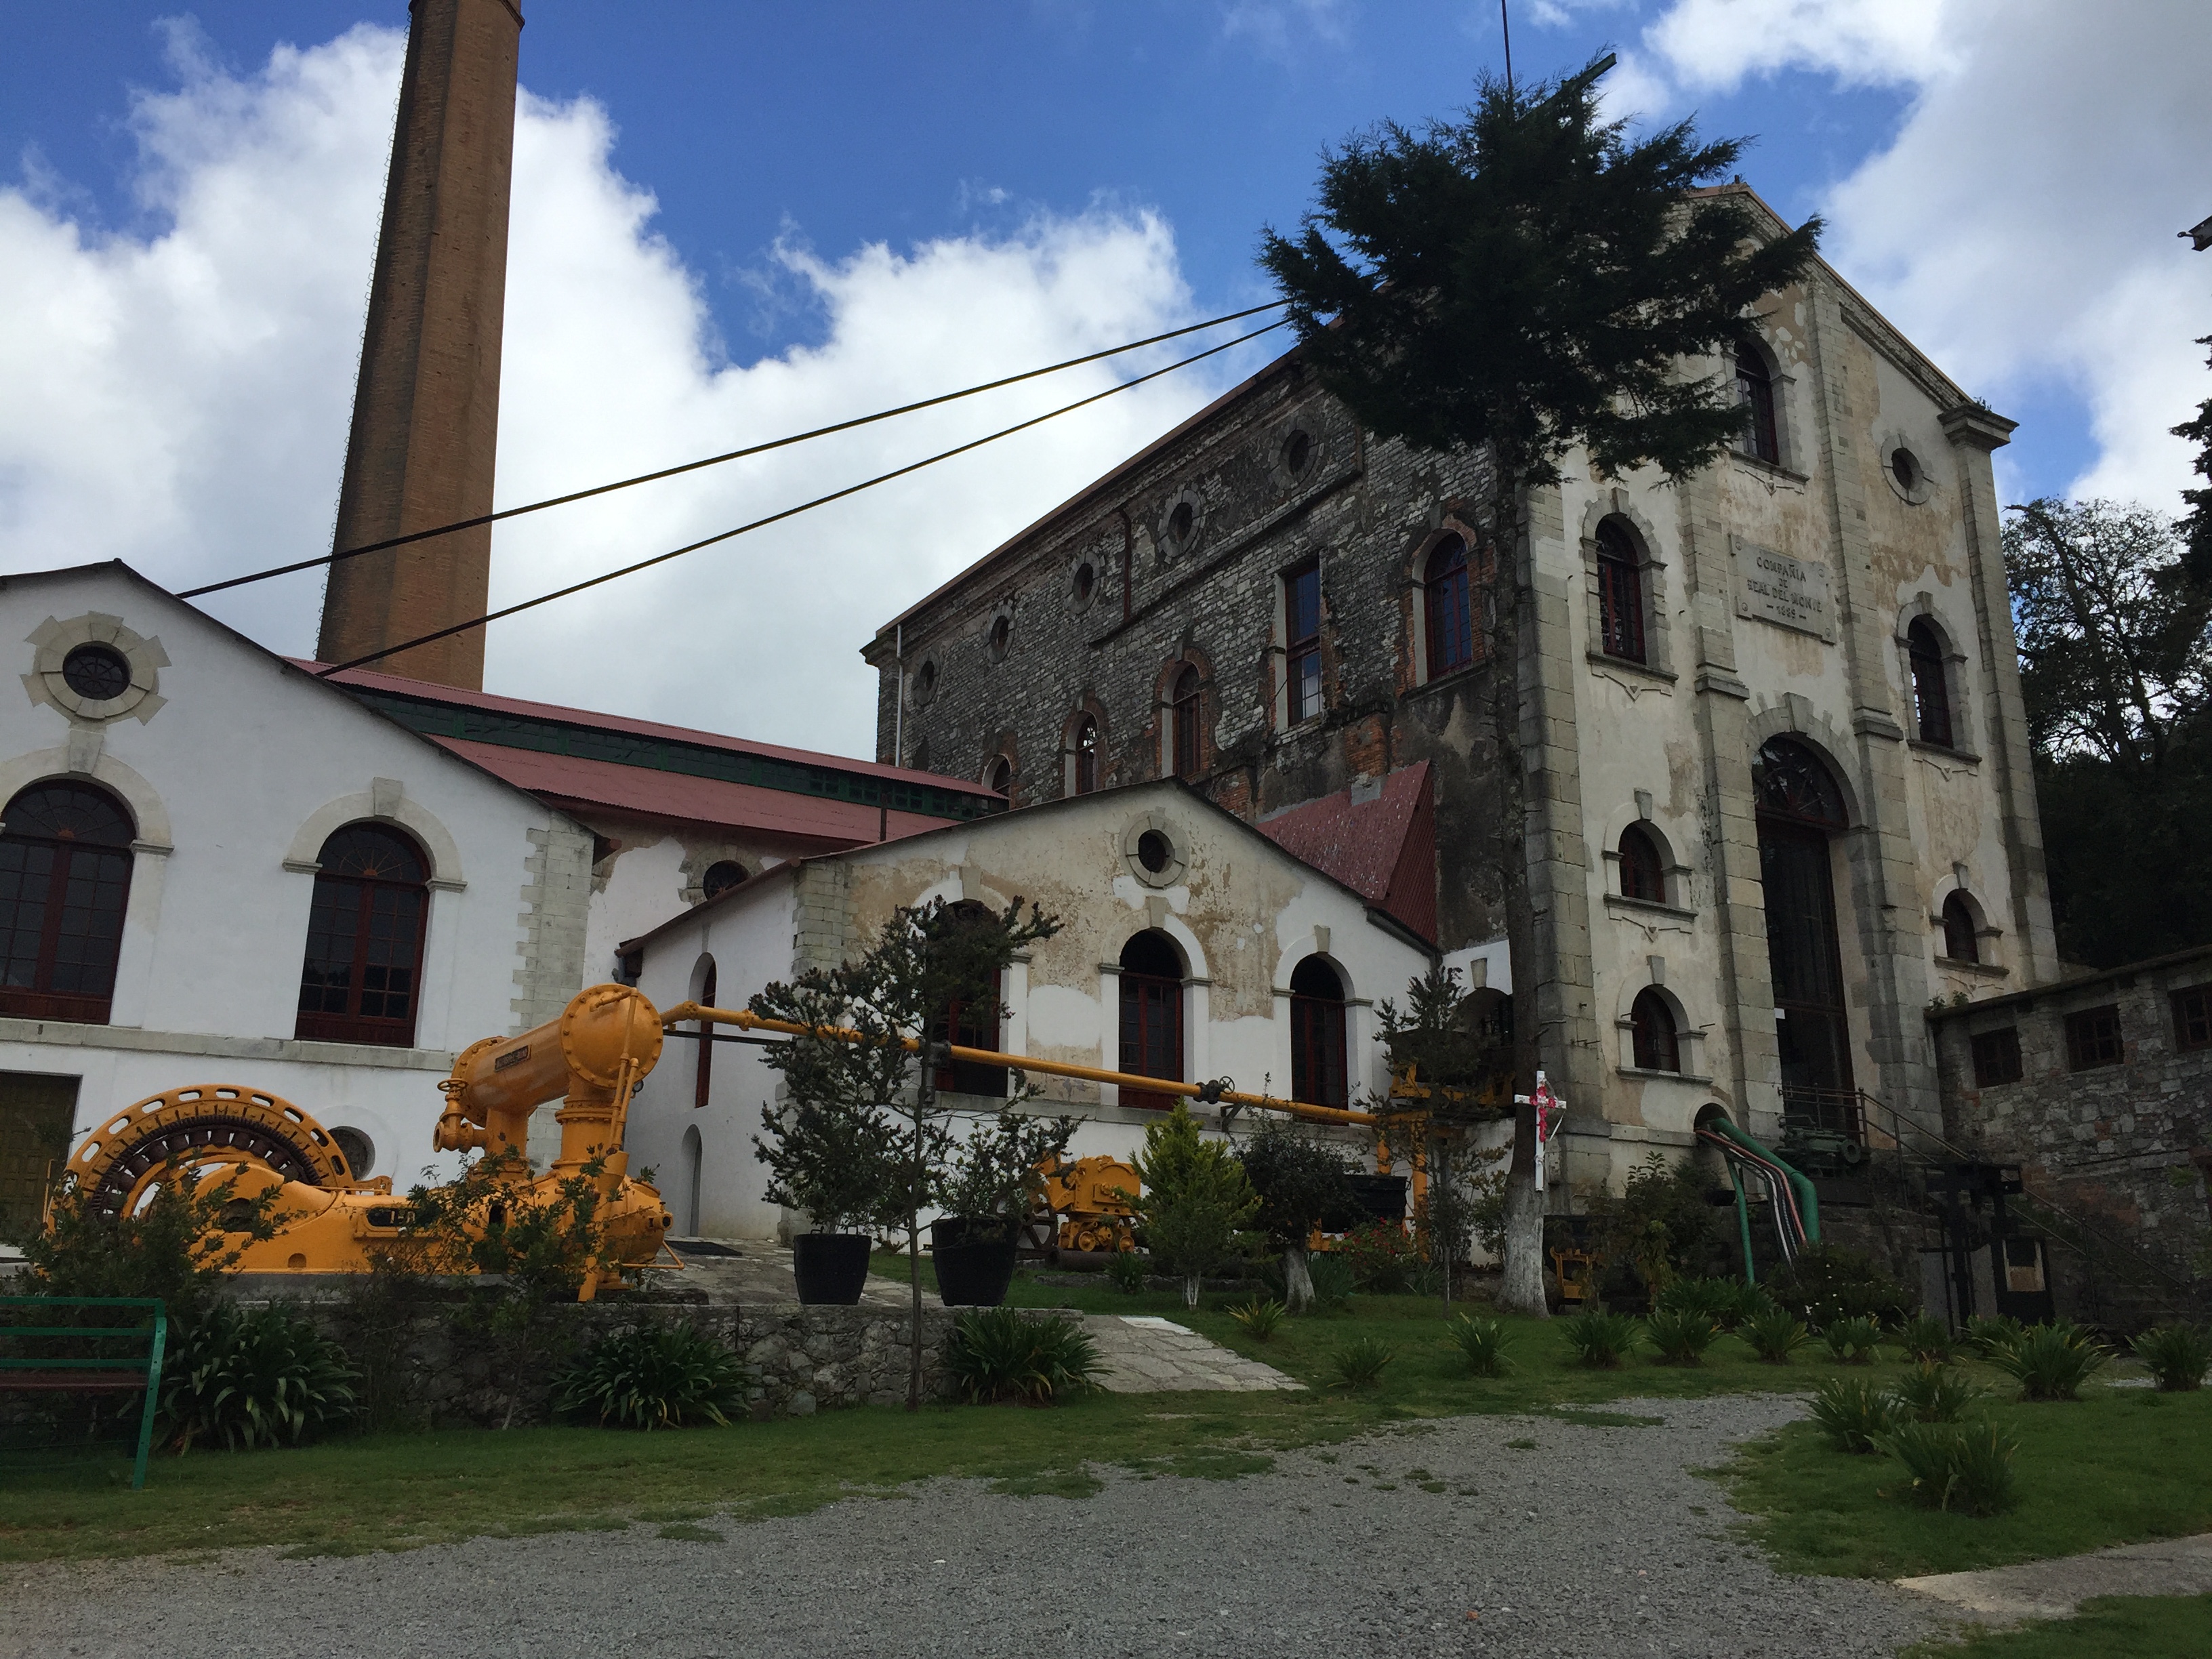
(994, 1173)
(1600, 1341)
(1660, 1227)
(252, 1379)
(2177, 1356)
(1483, 1341)
(1720, 1301)
(1751, 1302)
(1359, 1363)
(1301, 1181)
(1961, 1466)
(1990, 1335)
(1853, 1342)
(1383, 1258)
(1934, 1393)
(1258, 1317)
(1775, 1335)
(1127, 1271)
(1007, 1354)
(1332, 1280)
(179, 1245)
(1681, 1335)
(1926, 1339)
(2051, 1361)
(654, 1376)
(1828, 1282)
(1853, 1412)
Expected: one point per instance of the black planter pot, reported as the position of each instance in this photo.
(831, 1268)
(974, 1260)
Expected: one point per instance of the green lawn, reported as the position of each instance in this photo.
(2109, 1628)
(2118, 1467)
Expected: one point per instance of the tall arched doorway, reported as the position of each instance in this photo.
(1151, 1016)
(1800, 809)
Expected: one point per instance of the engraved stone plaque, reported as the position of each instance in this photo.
(1777, 588)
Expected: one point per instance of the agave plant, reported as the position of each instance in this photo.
(1600, 1341)
(1007, 1354)
(1360, 1363)
(653, 1377)
(1990, 1334)
(1934, 1393)
(2051, 1361)
(1853, 1412)
(1484, 1343)
(1258, 1317)
(254, 1379)
(1926, 1340)
(1962, 1466)
(1681, 1334)
(1127, 1270)
(1853, 1342)
(2177, 1356)
(1719, 1300)
(1775, 1335)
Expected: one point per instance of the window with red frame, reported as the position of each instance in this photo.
(1447, 600)
(1754, 390)
(360, 981)
(1302, 640)
(64, 879)
(1651, 1034)
(1186, 712)
(1620, 593)
(1642, 874)
(1931, 691)
(1317, 1046)
(2093, 1039)
(1151, 1016)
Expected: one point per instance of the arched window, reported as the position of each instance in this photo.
(999, 778)
(1800, 809)
(971, 1016)
(1651, 1028)
(721, 875)
(1960, 940)
(362, 976)
(1151, 1016)
(1302, 640)
(1446, 600)
(694, 1157)
(1754, 390)
(1188, 718)
(1085, 745)
(64, 876)
(1932, 693)
(1619, 592)
(1792, 784)
(1643, 875)
(1317, 1068)
(703, 1065)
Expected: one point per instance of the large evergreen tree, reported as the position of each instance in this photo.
(1520, 282)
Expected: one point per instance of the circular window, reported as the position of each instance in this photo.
(1154, 851)
(1087, 582)
(722, 876)
(1182, 522)
(1297, 453)
(359, 1150)
(1905, 469)
(925, 682)
(97, 672)
(1002, 632)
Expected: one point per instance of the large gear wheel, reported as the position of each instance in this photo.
(203, 1123)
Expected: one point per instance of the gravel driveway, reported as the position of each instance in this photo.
(1593, 1541)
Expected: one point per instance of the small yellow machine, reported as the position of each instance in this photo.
(592, 1059)
(1091, 1197)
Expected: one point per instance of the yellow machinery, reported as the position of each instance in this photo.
(592, 1059)
(1091, 1197)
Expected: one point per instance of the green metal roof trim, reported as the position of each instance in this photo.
(443, 719)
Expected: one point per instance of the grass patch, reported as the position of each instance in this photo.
(2107, 1627)
(2094, 1472)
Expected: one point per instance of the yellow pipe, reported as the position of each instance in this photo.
(748, 1021)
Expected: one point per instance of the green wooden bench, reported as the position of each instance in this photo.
(113, 1374)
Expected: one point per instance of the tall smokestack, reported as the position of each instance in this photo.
(426, 409)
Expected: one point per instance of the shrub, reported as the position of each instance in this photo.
(1383, 1258)
(2177, 1356)
(1828, 1282)
(1853, 1342)
(1195, 1200)
(252, 1379)
(2051, 1361)
(1302, 1182)
(1961, 1466)
(1681, 1335)
(1751, 1302)
(1600, 1341)
(1718, 1300)
(1990, 1335)
(1775, 1335)
(1007, 1354)
(1359, 1363)
(1926, 1339)
(1258, 1317)
(1332, 1280)
(1661, 1227)
(1128, 1271)
(1483, 1341)
(1934, 1393)
(654, 1376)
(179, 1245)
(1853, 1412)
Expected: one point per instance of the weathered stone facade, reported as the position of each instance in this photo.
(2124, 1143)
(1878, 503)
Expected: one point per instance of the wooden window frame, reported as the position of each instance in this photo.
(1320, 1043)
(1959, 929)
(1642, 870)
(2192, 1018)
(1997, 1057)
(1620, 595)
(1453, 642)
(1929, 672)
(1304, 694)
(1755, 388)
(2095, 1039)
(39, 1000)
(1654, 1037)
(318, 1025)
(1187, 724)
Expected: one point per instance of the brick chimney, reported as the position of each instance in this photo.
(426, 409)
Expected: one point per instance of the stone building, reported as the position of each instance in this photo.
(1777, 765)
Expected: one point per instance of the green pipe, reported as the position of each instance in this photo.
(1808, 1202)
(1743, 1221)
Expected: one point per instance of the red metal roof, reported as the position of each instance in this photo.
(1381, 845)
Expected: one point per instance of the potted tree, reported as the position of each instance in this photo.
(984, 1194)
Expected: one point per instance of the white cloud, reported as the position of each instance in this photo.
(2019, 226)
(180, 399)
(1270, 24)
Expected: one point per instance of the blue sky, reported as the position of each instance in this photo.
(778, 143)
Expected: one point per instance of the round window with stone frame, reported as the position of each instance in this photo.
(1084, 583)
(925, 681)
(1152, 851)
(1182, 522)
(1001, 636)
(93, 668)
(1904, 472)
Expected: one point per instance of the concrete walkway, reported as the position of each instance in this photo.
(1146, 1354)
(2054, 1589)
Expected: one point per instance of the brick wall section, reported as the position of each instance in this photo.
(2126, 1146)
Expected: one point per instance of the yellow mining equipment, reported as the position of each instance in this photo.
(1092, 1198)
(592, 1059)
